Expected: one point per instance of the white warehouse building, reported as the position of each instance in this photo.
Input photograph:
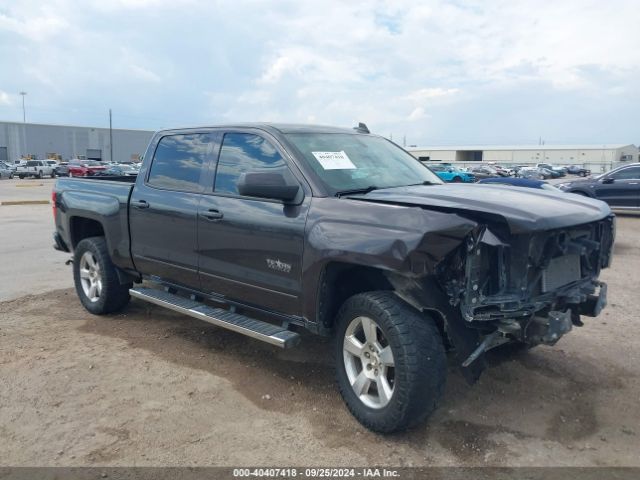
(601, 156)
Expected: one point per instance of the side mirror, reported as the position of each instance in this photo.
(271, 185)
(608, 180)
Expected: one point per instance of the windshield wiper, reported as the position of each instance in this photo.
(368, 189)
(426, 182)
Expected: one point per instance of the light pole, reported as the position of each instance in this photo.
(24, 115)
(110, 138)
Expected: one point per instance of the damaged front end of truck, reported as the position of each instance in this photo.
(501, 287)
(525, 270)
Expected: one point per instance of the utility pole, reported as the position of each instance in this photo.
(24, 115)
(110, 137)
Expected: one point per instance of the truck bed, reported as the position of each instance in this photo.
(104, 201)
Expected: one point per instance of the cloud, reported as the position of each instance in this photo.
(425, 94)
(5, 99)
(436, 70)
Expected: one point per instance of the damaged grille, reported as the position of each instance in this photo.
(512, 276)
(560, 272)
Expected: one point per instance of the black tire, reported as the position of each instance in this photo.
(114, 296)
(456, 180)
(21, 177)
(40, 174)
(420, 366)
(53, 174)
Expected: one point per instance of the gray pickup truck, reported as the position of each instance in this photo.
(268, 230)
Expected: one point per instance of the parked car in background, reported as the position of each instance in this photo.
(521, 182)
(62, 170)
(484, 171)
(502, 171)
(5, 170)
(620, 187)
(451, 173)
(556, 171)
(84, 168)
(118, 171)
(536, 173)
(35, 168)
(578, 170)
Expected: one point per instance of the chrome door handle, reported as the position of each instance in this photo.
(140, 204)
(212, 214)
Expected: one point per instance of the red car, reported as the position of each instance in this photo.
(84, 168)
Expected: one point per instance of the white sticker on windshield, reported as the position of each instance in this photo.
(334, 160)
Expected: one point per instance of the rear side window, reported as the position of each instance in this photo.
(32, 164)
(179, 160)
(240, 153)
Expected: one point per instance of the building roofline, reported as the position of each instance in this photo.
(521, 147)
(8, 122)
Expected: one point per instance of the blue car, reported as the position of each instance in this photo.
(449, 173)
(520, 182)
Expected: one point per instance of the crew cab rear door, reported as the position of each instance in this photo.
(251, 248)
(163, 209)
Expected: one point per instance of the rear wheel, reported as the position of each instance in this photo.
(390, 362)
(456, 180)
(96, 279)
(40, 174)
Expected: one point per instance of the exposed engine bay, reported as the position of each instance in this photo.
(529, 287)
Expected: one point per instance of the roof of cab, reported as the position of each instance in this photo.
(275, 127)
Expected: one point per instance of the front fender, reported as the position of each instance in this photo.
(392, 238)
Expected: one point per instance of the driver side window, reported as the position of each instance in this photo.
(242, 152)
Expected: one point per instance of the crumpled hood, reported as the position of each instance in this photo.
(524, 209)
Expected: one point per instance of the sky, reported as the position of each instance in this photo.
(427, 72)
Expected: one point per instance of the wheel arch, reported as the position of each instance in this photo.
(582, 192)
(340, 281)
(83, 227)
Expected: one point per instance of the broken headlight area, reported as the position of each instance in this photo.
(530, 287)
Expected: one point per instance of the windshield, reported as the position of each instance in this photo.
(346, 161)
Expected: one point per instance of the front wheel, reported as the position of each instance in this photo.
(96, 279)
(390, 362)
(457, 180)
(40, 174)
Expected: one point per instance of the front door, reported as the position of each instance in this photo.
(250, 248)
(163, 210)
(620, 188)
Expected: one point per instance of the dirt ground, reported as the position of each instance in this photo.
(150, 387)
